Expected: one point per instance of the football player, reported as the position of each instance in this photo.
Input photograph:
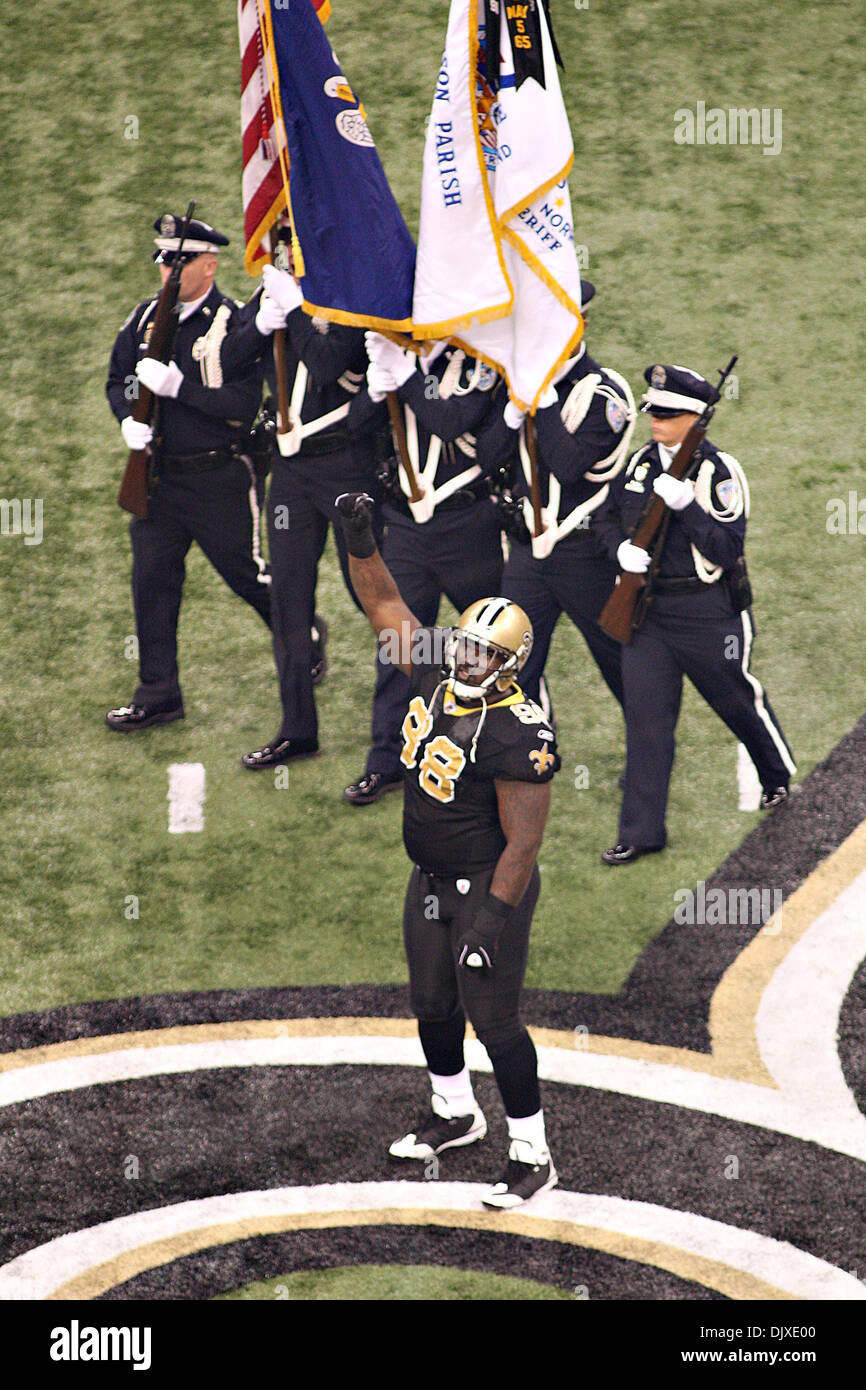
(478, 759)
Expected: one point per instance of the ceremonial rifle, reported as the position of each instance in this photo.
(134, 487)
(618, 617)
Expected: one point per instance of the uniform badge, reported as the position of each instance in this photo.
(167, 225)
(728, 493)
(616, 413)
(658, 377)
(463, 885)
(486, 377)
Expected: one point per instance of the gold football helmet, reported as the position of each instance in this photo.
(489, 644)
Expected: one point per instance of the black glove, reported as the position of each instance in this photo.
(355, 510)
(476, 949)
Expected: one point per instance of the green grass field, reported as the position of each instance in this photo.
(697, 252)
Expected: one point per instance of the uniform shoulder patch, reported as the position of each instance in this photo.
(616, 415)
(729, 492)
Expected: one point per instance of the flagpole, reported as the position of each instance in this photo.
(399, 430)
(534, 485)
(280, 369)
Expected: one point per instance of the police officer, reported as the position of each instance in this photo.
(448, 543)
(316, 460)
(206, 489)
(698, 624)
(584, 424)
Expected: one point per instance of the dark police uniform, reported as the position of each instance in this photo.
(458, 550)
(205, 490)
(692, 626)
(582, 445)
(326, 363)
(451, 829)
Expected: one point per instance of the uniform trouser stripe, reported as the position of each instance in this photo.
(256, 514)
(760, 707)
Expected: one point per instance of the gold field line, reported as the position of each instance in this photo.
(712, 1274)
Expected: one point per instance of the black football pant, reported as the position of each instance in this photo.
(574, 579)
(213, 509)
(444, 995)
(700, 636)
(457, 553)
(300, 510)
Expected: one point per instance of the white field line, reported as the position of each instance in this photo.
(186, 793)
(748, 781)
(40, 1272)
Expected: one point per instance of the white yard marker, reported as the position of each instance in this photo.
(748, 781)
(186, 792)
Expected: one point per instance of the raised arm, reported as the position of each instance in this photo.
(377, 593)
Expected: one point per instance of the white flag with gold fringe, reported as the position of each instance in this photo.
(497, 269)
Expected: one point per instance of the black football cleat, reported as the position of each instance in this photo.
(774, 797)
(527, 1173)
(371, 787)
(319, 634)
(281, 751)
(440, 1130)
(128, 718)
(627, 854)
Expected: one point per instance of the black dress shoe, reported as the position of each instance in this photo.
(627, 854)
(319, 634)
(774, 797)
(283, 751)
(370, 787)
(131, 717)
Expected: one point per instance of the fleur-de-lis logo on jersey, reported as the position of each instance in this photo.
(542, 758)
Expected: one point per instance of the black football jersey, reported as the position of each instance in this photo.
(450, 810)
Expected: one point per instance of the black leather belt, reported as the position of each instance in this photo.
(680, 586)
(317, 444)
(195, 463)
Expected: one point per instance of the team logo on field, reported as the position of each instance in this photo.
(616, 415)
(542, 758)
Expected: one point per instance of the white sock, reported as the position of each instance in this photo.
(530, 1130)
(456, 1090)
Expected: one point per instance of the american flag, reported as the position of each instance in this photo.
(264, 194)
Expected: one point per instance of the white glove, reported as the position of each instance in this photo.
(674, 492)
(270, 316)
(379, 382)
(512, 416)
(283, 288)
(549, 398)
(137, 434)
(632, 558)
(162, 378)
(386, 354)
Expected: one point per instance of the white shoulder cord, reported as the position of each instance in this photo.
(574, 412)
(739, 506)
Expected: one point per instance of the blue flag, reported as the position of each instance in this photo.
(359, 257)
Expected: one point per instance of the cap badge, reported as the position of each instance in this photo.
(658, 377)
(167, 225)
